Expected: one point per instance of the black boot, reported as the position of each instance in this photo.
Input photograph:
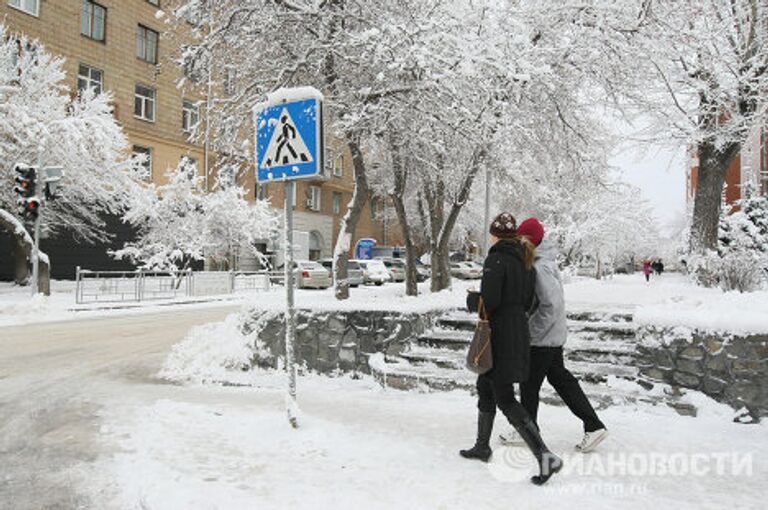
(549, 463)
(482, 449)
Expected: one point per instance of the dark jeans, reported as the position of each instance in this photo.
(548, 362)
(491, 395)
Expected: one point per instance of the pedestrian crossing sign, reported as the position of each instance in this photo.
(289, 139)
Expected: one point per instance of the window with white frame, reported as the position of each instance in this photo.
(154, 2)
(89, 78)
(314, 198)
(146, 154)
(29, 6)
(338, 166)
(190, 116)
(336, 202)
(144, 103)
(146, 44)
(93, 20)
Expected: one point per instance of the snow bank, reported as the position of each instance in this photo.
(216, 352)
(672, 300)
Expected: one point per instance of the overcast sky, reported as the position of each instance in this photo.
(660, 174)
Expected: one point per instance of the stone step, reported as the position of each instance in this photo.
(603, 329)
(408, 377)
(462, 320)
(582, 368)
(445, 339)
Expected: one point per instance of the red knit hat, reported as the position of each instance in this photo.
(532, 229)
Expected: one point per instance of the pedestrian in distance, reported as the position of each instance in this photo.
(647, 270)
(507, 292)
(549, 332)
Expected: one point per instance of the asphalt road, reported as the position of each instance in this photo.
(54, 379)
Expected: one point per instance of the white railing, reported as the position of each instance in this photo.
(142, 285)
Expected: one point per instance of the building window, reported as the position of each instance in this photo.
(338, 166)
(190, 116)
(93, 20)
(146, 44)
(29, 6)
(144, 103)
(146, 153)
(89, 78)
(154, 2)
(261, 191)
(336, 202)
(313, 203)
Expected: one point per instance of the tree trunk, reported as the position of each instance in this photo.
(24, 243)
(445, 230)
(21, 272)
(707, 205)
(400, 174)
(349, 222)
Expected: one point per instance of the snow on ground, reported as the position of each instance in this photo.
(360, 446)
(672, 300)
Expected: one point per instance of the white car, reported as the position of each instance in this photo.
(311, 275)
(374, 271)
(474, 270)
(396, 268)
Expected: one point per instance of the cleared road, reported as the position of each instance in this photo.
(54, 378)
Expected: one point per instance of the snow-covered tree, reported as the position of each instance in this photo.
(743, 248)
(41, 123)
(178, 223)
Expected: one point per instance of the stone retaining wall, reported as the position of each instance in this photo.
(328, 341)
(730, 369)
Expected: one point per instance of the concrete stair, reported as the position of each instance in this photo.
(600, 352)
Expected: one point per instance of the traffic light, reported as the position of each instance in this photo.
(26, 189)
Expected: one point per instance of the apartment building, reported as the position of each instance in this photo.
(121, 46)
(750, 167)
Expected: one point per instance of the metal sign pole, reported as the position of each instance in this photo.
(290, 316)
(39, 179)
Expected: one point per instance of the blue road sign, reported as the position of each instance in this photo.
(364, 249)
(289, 140)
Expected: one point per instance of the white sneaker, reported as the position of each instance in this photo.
(511, 438)
(591, 440)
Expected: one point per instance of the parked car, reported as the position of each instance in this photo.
(374, 272)
(354, 271)
(461, 271)
(475, 269)
(311, 275)
(396, 268)
(422, 272)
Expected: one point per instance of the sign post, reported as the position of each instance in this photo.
(289, 146)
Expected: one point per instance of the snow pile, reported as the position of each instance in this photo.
(672, 300)
(216, 352)
(25, 309)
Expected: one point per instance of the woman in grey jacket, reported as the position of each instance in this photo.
(549, 330)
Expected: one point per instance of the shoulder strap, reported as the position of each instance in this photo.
(481, 312)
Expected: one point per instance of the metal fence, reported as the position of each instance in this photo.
(141, 285)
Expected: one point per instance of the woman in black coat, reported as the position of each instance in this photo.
(507, 291)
